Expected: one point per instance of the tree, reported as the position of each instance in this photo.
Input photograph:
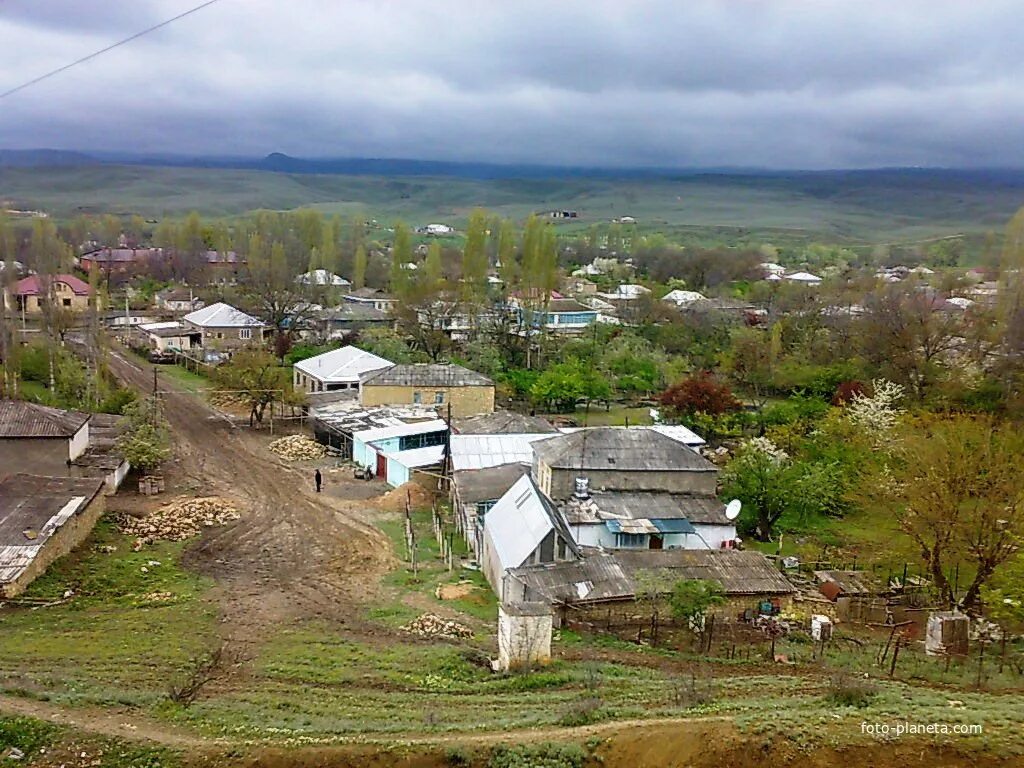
(562, 385)
(401, 255)
(474, 258)
(958, 488)
(699, 394)
(690, 599)
(272, 287)
(146, 439)
(254, 376)
(359, 262)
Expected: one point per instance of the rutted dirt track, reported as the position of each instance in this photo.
(289, 557)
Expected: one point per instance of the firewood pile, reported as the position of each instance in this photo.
(429, 625)
(297, 448)
(181, 519)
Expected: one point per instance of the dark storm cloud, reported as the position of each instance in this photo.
(659, 82)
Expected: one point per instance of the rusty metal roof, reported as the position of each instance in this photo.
(21, 419)
(32, 508)
(592, 579)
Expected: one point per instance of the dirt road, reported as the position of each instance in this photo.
(291, 556)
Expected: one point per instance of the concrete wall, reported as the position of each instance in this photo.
(523, 640)
(560, 483)
(230, 338)
(79, 443)
(37, 457)
(465, 401)
(65, 539)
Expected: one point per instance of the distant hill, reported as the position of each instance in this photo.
(36, 158)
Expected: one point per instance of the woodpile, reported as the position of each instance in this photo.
(298, 448)
(429, 625)
(181, 519)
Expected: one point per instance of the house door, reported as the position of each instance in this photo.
(382, 467)
(657, 542)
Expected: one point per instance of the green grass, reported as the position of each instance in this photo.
(785, 210)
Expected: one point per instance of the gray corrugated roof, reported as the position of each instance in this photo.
(503, 423)
(490, 484)
(645, 505)
(426, 375)
(595, 578)
(737, 572)
(21, 419)
(620, 448)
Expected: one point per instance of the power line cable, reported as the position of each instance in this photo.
(111, 47)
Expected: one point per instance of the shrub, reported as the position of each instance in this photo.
(25, 733)
(844, 690)
(547, 755)
(457, 757)
(700, 394)
(583, 712)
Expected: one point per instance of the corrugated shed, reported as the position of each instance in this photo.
(619, 448)
(593, 579)
(480, 451)
(21, 419)
(737, 572)
(426, 375)
(401, 430)
(418, 457)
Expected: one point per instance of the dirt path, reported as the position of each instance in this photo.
(291, 556)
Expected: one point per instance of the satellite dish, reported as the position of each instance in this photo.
(732, 509)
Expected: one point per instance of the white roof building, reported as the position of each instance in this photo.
(771, 268)
(221, 315)
(337, 369)
(683, 298)
(438, 229)
(804, 277)
(322, 277)
(482, 451)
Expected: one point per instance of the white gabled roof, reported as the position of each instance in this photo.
(683, 297)
(342, 365)
(221, 315)
(803, 277)
(322, 277)
(518, 523)
(680, 434)
(401, 430)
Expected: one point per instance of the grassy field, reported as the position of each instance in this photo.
(836, 207)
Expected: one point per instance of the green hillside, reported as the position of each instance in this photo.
(851, 207)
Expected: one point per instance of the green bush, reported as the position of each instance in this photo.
(845, 690)
(546, 755)
(25, 733)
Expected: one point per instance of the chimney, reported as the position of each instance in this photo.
(582, 488)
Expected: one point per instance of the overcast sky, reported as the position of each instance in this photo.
(777, 83)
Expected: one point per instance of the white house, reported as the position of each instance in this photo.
(626, 292)
(683, 298)
(437, 229)
(222, 326)
(322, 278)
(803, 277)
(771, 269)
(334, 370)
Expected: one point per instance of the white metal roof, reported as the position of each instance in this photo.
(418, 457)
(221, 315)
(160, 326)
(401, 430)
(517, 524)
(321, 277)
(803, 277)
(342, 365)
(481, 451)
(683, 297)
(679, 433)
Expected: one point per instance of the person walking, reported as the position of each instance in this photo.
(318, 479)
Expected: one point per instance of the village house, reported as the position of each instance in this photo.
(322, 278)
(118, 260)
(503, 423)
(335, 370)
(579, 286)
(681, 298)
(466, 392)
(223, 328)
(475, 492)
(382, 448)
(523, 528)
(346, 319)
(371, 297)
(42, 519)
(178, 300)
(621, 459)
(69, 293)
(335, 417)
(39, 439)
(169, 337)
(566, 316)
(224, 267)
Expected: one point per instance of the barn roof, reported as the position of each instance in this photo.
(426, 375)
(737, 572)
(30, 420)
(620, 448)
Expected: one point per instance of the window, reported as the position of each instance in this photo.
(631, 540)
(438, 398)
(67, 302)
(483, 507)
(417, 397)
(245, 333)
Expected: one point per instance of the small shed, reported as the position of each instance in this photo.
(524, 635)
(947, 634)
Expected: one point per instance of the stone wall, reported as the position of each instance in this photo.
(465, 401)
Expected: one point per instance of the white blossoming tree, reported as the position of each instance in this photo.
(877, 414)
